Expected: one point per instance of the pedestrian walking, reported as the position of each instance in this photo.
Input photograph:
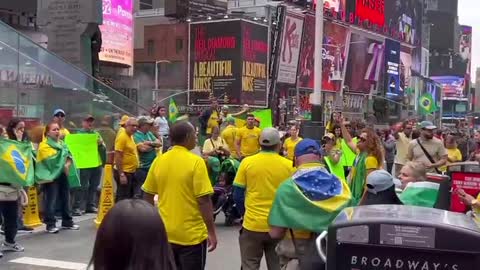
(427, 149)
(85, 197)
(247, 139)
(144, 247)
(298, 212)
(56, 170)
(184, 199)
(147, 146)
(256, 182)
(126, 162)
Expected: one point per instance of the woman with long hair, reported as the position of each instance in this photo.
(370, 158)
(140, 243)
(56, 170)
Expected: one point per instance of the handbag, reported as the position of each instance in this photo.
(8, 193)
(310, 259)
(428, 155)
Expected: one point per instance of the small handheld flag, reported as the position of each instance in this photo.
(172, 111)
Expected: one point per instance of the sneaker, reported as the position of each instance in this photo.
(73, 227)
(52, 229)
(12, 247)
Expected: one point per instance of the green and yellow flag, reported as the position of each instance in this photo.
(420, 194)
(172, 111)
(51, 159)
(16, 162)
(426, 104)
(309, 201)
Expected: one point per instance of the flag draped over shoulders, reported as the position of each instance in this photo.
(309, 201)
(420, 194)
(16, 162)
(51, 159)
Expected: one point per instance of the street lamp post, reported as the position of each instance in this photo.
(316, 99)
(156, 71)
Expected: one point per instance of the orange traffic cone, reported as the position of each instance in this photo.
(107, 199)
(31, 217)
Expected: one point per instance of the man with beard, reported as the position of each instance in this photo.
(427, 149)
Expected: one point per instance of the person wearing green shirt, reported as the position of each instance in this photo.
(147, 146)
(85, 197)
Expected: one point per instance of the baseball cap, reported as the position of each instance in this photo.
(224, 107)
(57, 111)
(269, 137)
(307, 146)
(379, 181)
(142, 120)
(89, 117)
(124, 119)
(330, 136)
(427, 125)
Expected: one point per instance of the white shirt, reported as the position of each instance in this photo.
(162, 123)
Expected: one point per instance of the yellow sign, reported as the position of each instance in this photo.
(31, 217)
(107, 196)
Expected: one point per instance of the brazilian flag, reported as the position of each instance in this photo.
(172, 111)
(309, 201)
(51, 159)
(16, 162)
(426, 104)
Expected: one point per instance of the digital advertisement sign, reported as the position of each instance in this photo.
(290, 48)
(117, 32)
(392, 67)
(372, 11)
(365, 64)
(335, 38)
(229, 61)
(452, 86)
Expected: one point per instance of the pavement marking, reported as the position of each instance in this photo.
(50, 263)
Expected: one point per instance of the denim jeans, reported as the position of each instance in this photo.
(190, 257)
(9, 213)
(57, 191)
(85, 197)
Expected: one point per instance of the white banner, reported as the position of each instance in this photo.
(290, 49)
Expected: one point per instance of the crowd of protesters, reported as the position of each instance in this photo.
(168, 165)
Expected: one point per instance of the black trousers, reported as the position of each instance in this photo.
(131, 190)
(9, 213)
(190, 257)
(85, 197)
(57, 191)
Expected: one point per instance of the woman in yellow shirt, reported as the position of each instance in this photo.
(291, 142)
(216, 145)
(454, 154)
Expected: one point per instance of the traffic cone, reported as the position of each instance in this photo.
(107, 195)
(31, 217)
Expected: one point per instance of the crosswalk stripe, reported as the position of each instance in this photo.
(50, 263)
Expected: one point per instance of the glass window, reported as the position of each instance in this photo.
(146, 4)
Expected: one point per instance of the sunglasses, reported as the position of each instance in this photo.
(60, 115)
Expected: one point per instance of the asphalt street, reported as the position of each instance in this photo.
(72, 249)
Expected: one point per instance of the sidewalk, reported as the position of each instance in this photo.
(42, 228)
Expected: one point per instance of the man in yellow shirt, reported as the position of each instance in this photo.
(247, 143)
(184, 201)
(291, 142)
(228, 135)
(255, 185)
(126, 162)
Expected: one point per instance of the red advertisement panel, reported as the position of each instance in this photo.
(470, 182)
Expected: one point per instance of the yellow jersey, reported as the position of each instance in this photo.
(249, 140)
(261, 175)
(178, 191)
(289, 146)
(125, 144)
(228, 135)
